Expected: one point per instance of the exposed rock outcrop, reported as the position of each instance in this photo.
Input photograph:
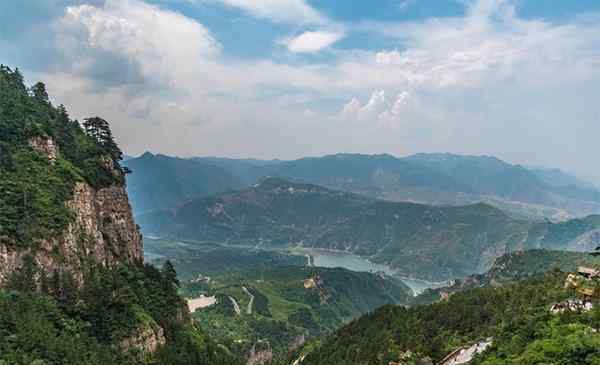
(261, 353)
(46, 146)
(146, 339)
(103, 231)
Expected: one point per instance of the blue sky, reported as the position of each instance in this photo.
(518, 79)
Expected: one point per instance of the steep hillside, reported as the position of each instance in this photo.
(516, 319)
(418, 240)
(513, 267)
(288, 304)
(73, 286)
(162, 182)
(282, 300)
(63, 200)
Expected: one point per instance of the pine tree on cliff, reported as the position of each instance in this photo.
(99, 129)
(169, 273)
(39, 92)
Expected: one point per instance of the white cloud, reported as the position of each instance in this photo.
(160, 44)
(379, 108)
(310, 42)
(282, 11)
(488, 82)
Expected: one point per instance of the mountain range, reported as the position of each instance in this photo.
(161, 182)
(428, 242)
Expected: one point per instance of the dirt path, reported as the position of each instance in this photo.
(236, 307)
(249, 309)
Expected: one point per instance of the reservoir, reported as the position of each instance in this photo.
(329, 258)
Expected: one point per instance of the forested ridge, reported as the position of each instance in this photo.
(517, 317)
(106, 306)
(33, 192)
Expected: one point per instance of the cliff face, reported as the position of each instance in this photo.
(103, 231)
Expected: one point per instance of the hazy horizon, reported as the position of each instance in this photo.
(514, 79)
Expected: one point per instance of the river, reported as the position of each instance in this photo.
(329, 258)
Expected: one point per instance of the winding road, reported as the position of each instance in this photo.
(236, 307)
(249, 309)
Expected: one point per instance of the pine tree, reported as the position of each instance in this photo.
(169, 273)
(39, 92)
(99, 130)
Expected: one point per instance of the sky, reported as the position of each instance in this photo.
(517, 79)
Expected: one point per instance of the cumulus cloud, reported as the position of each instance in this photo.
(310, 42)
(282, 11)
(156, 44)
(379, 109)
(488, 82)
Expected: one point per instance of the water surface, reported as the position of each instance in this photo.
(331, 259)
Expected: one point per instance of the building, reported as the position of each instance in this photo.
(588, 272)
(572, 305)
(464, 355)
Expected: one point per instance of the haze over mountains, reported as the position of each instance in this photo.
(430, 242)
(162, 182)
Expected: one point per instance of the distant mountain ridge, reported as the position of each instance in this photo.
(163, 182)
(436, 243)
(438, 179)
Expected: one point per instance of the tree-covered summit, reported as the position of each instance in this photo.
(34, 187)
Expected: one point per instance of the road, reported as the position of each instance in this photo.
(249, 309)
(236, 307)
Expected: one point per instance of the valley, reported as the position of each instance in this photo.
(299, 182)
(273, 295)
(431, 243)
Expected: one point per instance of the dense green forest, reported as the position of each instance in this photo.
(32, 191)
(64, 324)
(98, 312)
(517, 317)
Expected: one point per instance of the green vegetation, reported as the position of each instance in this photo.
(283, 310)
(517, 317)
(191, 258)
(88, 314)
(435, 243)
(33, 191)
(65, 324)
(515, 266)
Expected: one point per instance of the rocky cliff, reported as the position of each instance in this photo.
(102, 231)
